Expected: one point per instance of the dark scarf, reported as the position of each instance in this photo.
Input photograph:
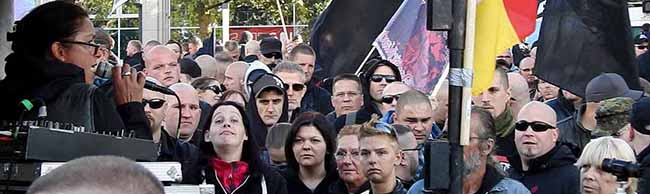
(504, 123)
(491, 178)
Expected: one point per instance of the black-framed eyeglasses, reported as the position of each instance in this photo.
(537, 126)
(417, 148)
(297, 87)
(388, 99)
(96, 47)
(153, 103)
(379, 77)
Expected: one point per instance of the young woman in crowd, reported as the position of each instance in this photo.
(232, 160)
(233, 96)
(310, 151)
(593, 179)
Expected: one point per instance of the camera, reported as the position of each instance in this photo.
(622, 169)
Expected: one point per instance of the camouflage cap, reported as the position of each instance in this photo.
(612, 115)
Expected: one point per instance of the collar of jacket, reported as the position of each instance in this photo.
(339, 187)
(645, 152)
(505, 122)
(578, 117)
(398, 189)
(491, 178)
(560, 155)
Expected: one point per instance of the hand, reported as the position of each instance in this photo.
(128, 85)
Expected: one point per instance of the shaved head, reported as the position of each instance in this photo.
(538, 111)
(519, 91)
(234, 76)
(161, 63)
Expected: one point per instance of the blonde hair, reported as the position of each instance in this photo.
(607, 147)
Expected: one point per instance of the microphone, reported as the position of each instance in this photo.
(104, 70)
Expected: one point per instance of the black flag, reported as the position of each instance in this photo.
(343, 34)
(580, 39)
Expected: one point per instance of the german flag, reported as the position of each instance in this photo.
(500, 24)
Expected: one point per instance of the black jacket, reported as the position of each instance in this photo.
(563, 108)
(573, 133)
(398, 189)
(316, 99)
(68, 98)
(185, 153)
(296, 186)
(339, 188)
(135, 61)
(275, 184)
(644, 180)
(551, 173)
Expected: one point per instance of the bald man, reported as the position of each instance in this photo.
(208, 65)
(414, 110)
(519, 91)
(235, 76)
(98, 175)
(161, 64)
(527, 70)
(191, 112)
(541, 164)
(391, 94)
(441, 101)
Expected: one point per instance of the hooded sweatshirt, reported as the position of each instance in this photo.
(552, 173)
(265, 83)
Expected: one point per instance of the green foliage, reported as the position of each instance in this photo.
(204, 13)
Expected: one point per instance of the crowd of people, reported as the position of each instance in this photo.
(251, 117)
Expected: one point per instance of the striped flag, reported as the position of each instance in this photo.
(500, 24)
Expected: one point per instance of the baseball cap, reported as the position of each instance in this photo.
(267, 82)
(609, 85)
(612, 115)
(188, 66)
(639, 118)
(270, 45)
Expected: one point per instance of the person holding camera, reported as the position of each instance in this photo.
(593, 178)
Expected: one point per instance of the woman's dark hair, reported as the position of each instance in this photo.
(326, 130)
(40, 28)
(250, 152)
(229, 93)
(372, 65)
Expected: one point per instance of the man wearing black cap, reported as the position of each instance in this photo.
(577, 129)
(189, 70)
(640, 126)
(270, 51)
(267, 106)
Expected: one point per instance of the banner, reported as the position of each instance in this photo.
(421, 55)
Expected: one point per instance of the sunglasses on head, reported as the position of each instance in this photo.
(295, 87)
(386, 128)
(388, 99)
(153, 103)
(537, 126)
(378, 78)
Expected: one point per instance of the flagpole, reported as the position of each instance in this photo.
(372, 49)
(284, 25)
(468, 66)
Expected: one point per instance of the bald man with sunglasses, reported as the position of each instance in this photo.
(542, 164)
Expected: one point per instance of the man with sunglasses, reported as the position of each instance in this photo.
(293, 78)
(542, 164)
(316, 98)
(408, 166)
(171, 149)
(270, 52)
(390, 95)
(480, 175)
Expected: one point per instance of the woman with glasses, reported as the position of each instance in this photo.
(348, 166)
(53, 53)
(593, 179)
(209, 90)
(232, 158)
(310, 149)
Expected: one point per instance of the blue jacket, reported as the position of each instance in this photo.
(493, 183)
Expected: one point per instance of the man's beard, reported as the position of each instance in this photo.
(472, 163)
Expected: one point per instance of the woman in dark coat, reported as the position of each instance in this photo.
(310, 149)
(232, 158)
